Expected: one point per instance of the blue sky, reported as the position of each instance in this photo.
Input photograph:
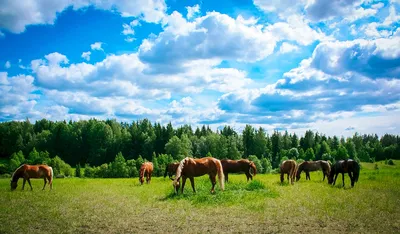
(329, 66)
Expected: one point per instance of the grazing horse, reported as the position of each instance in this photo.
(190, 168)
(170, 170)
(32, 171)
(308, 166)
(235, 166)
(345, 166)
(288, 167)
(145, 170)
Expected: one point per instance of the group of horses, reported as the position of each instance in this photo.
(349, 166)
(189, 168)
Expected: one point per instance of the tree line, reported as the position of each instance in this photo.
(106, 147)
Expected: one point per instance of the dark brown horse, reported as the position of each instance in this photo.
(288, 167)
(32, 171)
(190, 168)
(170, 170)
(345, 166)
(236, 166)
(308, 166)
(145, 170)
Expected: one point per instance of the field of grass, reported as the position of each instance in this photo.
(262, 206)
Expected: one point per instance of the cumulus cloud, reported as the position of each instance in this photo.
(287, 48)
(86, 55)
(192, 11)
(129, 28)
(201, 40)
(15, 17)
(7, 65)
(17, 96)
(96, 46)
(317, 10)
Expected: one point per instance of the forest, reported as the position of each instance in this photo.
(115, 149)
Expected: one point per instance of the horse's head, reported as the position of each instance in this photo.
(176, 184)
(141, 180)
(298, 177)
(331, 175)
(13, 185)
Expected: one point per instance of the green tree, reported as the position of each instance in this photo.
(78, 170)
(267, 166)
(293, 153)
(309, 155)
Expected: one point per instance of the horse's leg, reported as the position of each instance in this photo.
(213, 181)
(29, 182)
(183, 183)
(351, 179)
(23, 184)
(334, 181)
(50, 179)
(226, 177)
(192, 183)
(343, 178)
(307, 175)
(282, 177)
(45, 181)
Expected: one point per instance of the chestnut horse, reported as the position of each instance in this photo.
(288, 167)
(170, 170)
(32, 171)
(190, 168)
(308, 166)
(145, 170)
(235, 166)
(345, 166)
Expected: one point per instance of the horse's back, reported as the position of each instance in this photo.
(287, 165)
(37, 171)
(235, 165)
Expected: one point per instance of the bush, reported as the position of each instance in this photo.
(390, 162)
(6, 175)
(60, 167)
(88, 172)
(266, 164)
(257, 162)
(78, 170)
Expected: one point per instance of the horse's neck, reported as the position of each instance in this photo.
(17, 174)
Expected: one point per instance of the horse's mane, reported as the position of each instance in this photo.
(179, 169)
(15, 176)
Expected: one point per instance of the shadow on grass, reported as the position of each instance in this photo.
(235, 193)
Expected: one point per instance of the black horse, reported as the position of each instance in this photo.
(345, 166)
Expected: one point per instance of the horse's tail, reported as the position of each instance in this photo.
(221, 177)
(253, 167)
(52, 174)
(356, 171)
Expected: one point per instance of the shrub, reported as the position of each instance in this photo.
(390, 162)
(78, 170)
(266, 164)
(257, 162)
(88, 172)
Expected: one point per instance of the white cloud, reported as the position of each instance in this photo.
(295, 29)
(192, 11)
(17, 98)
(317, 10)
(130, 39)
(287, 48)
(128, 28)
(86, 55)
(7, 65)
(96, 46)
(184, 41)
(15, 17)
(393, 17)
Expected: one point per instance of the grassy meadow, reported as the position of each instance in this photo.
(262, 206)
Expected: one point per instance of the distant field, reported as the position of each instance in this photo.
(263, 206)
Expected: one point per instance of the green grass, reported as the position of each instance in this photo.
(261, 206)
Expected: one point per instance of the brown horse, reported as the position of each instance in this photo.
(145, 170)
(32, 171)
(190, 168)
(288, 167)
(345, 166)
(170, 170)
(308, 166)
(235, 166)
